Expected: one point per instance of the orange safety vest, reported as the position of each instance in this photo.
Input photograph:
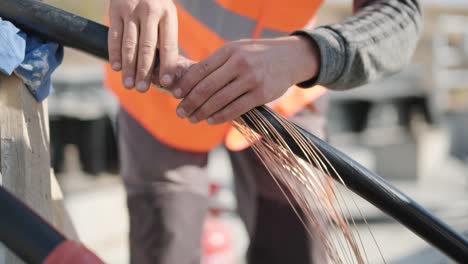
(204, 26)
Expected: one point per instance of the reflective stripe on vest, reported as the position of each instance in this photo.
(224, 23)
(204, 26)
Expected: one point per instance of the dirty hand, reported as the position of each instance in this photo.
(242, 75)
(137, 27)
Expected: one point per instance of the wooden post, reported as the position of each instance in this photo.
(25, 157)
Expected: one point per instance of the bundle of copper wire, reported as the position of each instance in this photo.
(307, 184)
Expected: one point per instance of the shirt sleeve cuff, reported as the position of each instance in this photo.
(332, 55)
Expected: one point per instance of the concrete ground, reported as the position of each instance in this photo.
(97, 207)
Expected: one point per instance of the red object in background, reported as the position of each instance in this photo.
(217, 242)
(72, 252)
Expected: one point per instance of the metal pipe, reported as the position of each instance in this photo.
(80, 33)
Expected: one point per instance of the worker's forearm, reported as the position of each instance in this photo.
(377, 41)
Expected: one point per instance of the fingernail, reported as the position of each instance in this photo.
(141, 86)
(129, 82)
(181, 112)
(166, 80)
(210, 121)
(116, 66)
(178, 93)
(193, 119)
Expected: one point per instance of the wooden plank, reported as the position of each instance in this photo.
(25, 156)
(60, 217)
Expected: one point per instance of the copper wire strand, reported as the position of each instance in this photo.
(310, 152)
(326, 205)
(328, 247)
(268, 158)
(338, 198)
(333, 215)
(307, 184)
(323, 169)
(356, 206)
(307, 201)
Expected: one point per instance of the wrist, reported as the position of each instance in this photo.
(305, 57)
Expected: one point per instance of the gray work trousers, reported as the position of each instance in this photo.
(167, 197)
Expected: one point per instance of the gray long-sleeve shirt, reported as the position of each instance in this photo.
(377, 41)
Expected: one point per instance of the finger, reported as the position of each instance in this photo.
(168, 48)
(205, 89)
(238, 107)
(200, 70)
(221, 99)
(183, 64)
(156, 82)
(115, 43)
(129, 52)
(146, 52)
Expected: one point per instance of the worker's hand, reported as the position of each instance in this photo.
(242, 75)
(137, 27)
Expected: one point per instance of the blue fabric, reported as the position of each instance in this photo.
(12, 47)
(41, 60)
(32, 59)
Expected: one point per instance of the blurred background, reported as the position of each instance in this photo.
(412, 129)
